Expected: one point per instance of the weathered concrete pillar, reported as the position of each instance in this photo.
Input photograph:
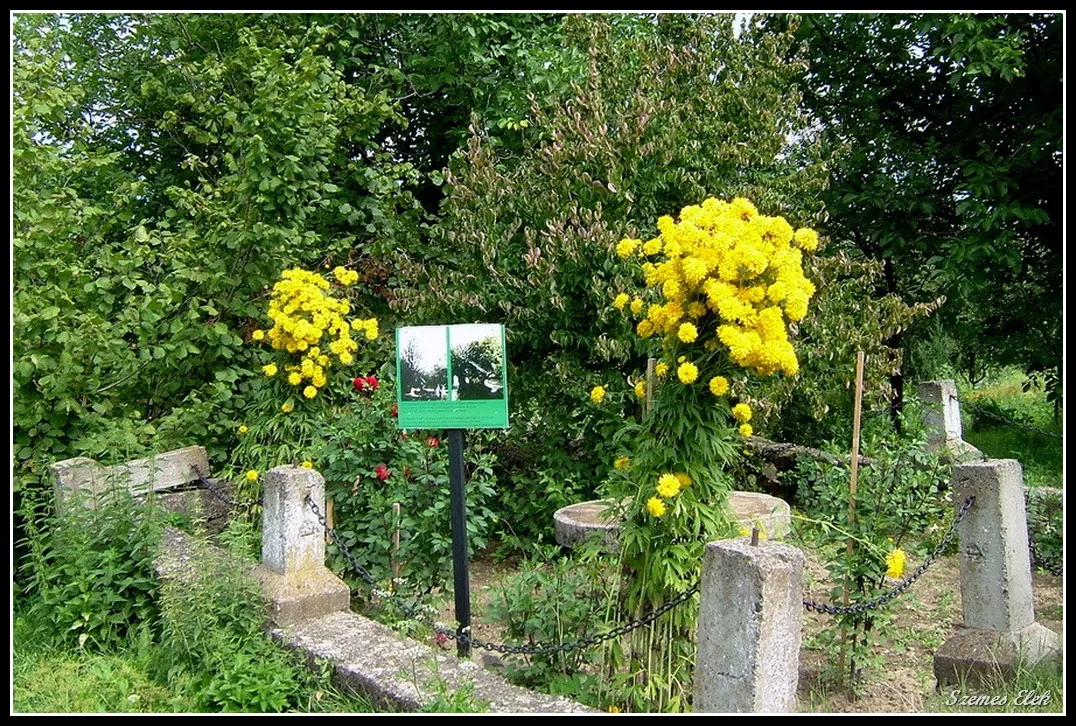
(1000, 631)
(293, 573)
(941, 417)
(749, 631)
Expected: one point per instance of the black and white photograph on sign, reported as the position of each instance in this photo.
(423, 364)
(477, 363)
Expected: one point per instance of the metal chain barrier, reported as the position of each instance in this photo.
(528, 649)
(1054, 568)
(212, 486)
(903, 585)
(974, 408)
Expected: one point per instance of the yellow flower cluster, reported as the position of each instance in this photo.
(597, 394)
(894, 563)
(305, 316)
(668, 486)
(726, 275)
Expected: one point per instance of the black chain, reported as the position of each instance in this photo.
(903, 585)
(212, 487)
(466, 638)
(998, 417)
(1054, 568)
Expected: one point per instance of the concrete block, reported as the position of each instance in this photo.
(995, 566)
(293, 538)
(986, 658)
(749, 629)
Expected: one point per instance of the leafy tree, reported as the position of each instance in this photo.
(943, 133)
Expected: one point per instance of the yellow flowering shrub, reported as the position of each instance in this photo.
(312, 323)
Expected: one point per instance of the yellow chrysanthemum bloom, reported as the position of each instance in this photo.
(661, 369)
(622, 463)
(625, 247)
(688, 333)
(258, 335)
(640, 389)
(243, 429)
(307, 464)
(684, 479)
(597, 394)
(656, 507)
(310, 391)
(687, 372)
(746, 430)
(295, 378)
(288, 407)
(668, 486)
(252, 475)
(269, 370)
(636, 306)
(894, 562)
(621, 300)
(741, 412)
(719, 385)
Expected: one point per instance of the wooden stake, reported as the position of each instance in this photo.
(394, 562)
(856, 419)
(650, 364)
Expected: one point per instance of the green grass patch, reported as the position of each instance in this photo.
(1008, 417)
(1035, 690)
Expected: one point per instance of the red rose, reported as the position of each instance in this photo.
(382, 472)
(432, 442)
(366, 384)
(395, 410)
(372, 382)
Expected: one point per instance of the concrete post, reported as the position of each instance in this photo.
(995, 579)
(293, 573)
(749, 631)
(941, 417)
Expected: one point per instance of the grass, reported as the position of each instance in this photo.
(1035, 690)
(1040, 453)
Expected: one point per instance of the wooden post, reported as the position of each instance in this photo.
(394, 561)
(856, 419)
(650, 365)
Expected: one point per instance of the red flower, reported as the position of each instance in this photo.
(432, 442)
(395, 410)
(366, 384)
(382, 472)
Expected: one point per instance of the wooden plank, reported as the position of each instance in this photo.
(158, 473)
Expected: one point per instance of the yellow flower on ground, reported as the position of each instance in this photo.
(688, 372)
(269, 370)
(640, 389)
(894, 562)
(252, 475)
(288, 407)
(243, 429)
(741, 412)
(310, 391)
(258, 335)
(687, 333)
(746, 430)
(620, 301)
(656, 507)
(719, 385)
(597, 394)
(622, 463)
(307, 464)
(614, 709)
(668, 486)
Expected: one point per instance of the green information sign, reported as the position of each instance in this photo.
(452, 377)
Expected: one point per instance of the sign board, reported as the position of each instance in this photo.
(452, 377)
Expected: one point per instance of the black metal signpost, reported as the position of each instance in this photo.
(453, 377)
(461, 576)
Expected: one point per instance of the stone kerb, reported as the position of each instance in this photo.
(1000, 632)
(750, 628)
